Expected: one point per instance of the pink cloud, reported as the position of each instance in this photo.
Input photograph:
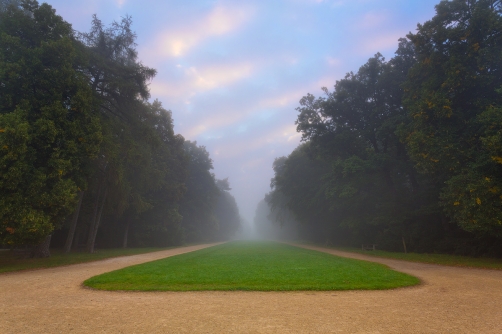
(178, 41)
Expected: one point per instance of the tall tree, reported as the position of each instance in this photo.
(299, 195)
(48, 131)
(119, 83)
(156, 172)
(266, 226)
(197, 206)
(372, 183)
(226, 212)
(115, 74)
(454, 107)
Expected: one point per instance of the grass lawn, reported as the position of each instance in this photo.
(253, 266)
(443, 259)
(11, 262)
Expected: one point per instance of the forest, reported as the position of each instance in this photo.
(87, 160)
(405, 153)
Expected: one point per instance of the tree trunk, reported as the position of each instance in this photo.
(404, 245)
(414, 182)
(71, 232)
(126, 233)
(94, 232)
(76, 242)
(42, 249)
(90, 235)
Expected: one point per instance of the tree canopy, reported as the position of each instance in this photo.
(83, 151)
(48, 128)
(453, 100)
(406, 153)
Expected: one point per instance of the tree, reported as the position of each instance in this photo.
(115, 74)
(267, 227)
(454, 107)
(226, 212)
(298, 195)
(398, 144)
(156, 172)
(119, 84)
(198, 203)
(48, 131)
(372, 184)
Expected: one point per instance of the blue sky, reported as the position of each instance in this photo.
(232, 72)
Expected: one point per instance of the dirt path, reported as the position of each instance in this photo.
(451, 300)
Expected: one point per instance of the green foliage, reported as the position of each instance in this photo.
(209, 211)
(115, 74)
(74, 117)
(371, 185)
(197, 206)
(413, 145)
(47, 128)
(150, 183)
(473, 195)
(138, 178)
(226, 213)
(267, 226)
(454, 110)
(253, 266)
(299, 192)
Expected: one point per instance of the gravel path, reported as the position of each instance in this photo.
(450, 300)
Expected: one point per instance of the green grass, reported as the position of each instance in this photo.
(442, 259)
(253, 266)
(11, 262)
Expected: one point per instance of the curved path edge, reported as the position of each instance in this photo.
(451, 300)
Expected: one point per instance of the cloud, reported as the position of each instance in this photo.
(169, 89)
(380, 43)
(220, 21)
(228, 116)
(120, 3)
(217, 76)
(193, 80)
(250, 164)
(332, 62)
(334, 3)
(280, 135)
(216, 122)
(293, 96)
(282, 100)
(372, 20)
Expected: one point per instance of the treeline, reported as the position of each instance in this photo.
(84, 157)
(406, 153)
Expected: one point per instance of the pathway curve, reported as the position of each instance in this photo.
(450, 300)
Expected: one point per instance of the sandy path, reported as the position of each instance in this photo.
(451, 300)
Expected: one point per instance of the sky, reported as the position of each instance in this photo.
(233, 71)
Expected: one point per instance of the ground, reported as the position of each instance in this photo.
(450, 300)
